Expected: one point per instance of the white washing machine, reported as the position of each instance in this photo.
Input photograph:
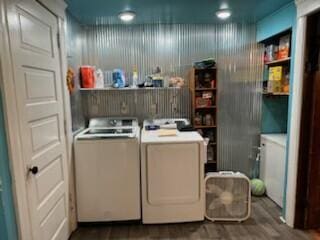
(107, 167)
(172, 175)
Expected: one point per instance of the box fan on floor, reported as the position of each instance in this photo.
(228, 196)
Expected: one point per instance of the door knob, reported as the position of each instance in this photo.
(34, 170)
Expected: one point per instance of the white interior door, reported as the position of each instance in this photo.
(33, 34)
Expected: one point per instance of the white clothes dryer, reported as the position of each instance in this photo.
(172, 175)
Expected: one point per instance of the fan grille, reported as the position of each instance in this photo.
(227, 198)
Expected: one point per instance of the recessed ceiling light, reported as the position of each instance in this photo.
(127, 16)
(223, 14)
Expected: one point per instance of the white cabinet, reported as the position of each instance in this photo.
(272, 165)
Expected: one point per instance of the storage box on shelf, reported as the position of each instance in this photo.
(203, 86)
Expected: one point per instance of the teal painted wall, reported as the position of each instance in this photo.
(8, 230)
(273, 120)
(277, 22)
(274, 114)
(273, 24)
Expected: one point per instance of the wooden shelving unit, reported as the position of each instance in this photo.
(203, 86)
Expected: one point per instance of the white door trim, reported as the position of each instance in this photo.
(304, 8)
(18, 171)
(294, 140)
(68, 127)
(57, 7)
(307, 7)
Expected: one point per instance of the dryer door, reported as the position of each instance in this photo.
(173, 172)
(173, 182)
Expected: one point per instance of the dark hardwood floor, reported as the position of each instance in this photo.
(263, 224)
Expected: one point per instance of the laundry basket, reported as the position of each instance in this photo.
(228, 196)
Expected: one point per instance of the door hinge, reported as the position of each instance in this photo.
(58, 40)
(65, 127)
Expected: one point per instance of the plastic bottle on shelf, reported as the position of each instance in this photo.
(135, 77)
(99, 79)
(198, 119)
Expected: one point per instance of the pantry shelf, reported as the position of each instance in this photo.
(285, 60)
(276, 94)
(205, 69)
(212, 162)
(204, 127)
(206, 89)
(211, 107)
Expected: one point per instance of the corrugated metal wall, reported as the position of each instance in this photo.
(140, 103)
(74, 36)
(174, 47)
(240, 100)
